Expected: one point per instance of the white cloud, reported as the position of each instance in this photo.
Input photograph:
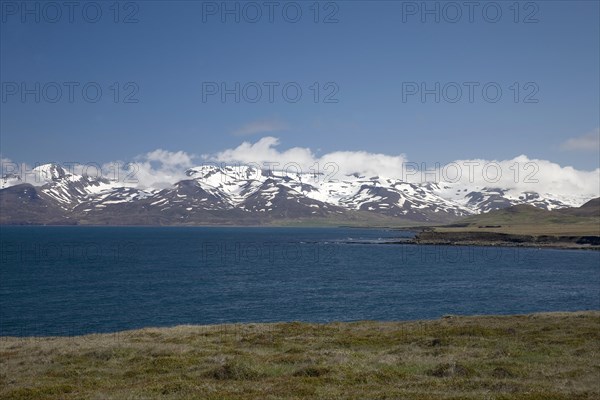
(265, 152)
(6, 164)
(7, 175)
(160, 168)
(169, 158)
(587, 142)
(157, 169)
(520, 173)
(524, 174)
(261, 126)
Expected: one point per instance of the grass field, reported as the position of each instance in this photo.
(523, 225)
(540, 356)
(527, 220)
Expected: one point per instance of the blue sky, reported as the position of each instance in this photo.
(376, 49)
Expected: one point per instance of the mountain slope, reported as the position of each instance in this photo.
(23, 204)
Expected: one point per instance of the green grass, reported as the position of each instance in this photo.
(528, 220)
(539, 356)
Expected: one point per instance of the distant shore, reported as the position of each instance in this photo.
(535, 356)
(486, 238)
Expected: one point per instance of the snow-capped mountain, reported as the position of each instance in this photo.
(248, 195)
(69, 189)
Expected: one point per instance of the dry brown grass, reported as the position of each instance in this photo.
(540, 356)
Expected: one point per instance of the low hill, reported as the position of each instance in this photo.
(589, 209)
(524, 225)
(526, 219)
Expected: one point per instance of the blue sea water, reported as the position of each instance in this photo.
(74, 280)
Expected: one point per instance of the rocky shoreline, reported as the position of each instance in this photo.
(468, 238)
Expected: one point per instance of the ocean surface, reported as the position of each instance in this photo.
(75, 280)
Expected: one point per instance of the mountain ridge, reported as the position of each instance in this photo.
(248, 195)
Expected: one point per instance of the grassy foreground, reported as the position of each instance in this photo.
(539, 356)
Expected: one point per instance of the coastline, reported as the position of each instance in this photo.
(532, 356)
(424, 235)
(501, 239)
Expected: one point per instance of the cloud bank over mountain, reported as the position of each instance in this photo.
(519, 173)
(162, 168)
